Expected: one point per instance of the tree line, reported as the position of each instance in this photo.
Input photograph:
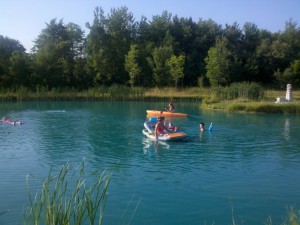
(166, 51)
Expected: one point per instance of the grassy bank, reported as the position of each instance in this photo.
(265, 105)
(250, 97)
(238, 97)
(116, 92)
(262, 107)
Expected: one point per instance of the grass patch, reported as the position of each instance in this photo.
(266, 107)
(271, 95)
(168, 92)
(65, 199)
(112, 93)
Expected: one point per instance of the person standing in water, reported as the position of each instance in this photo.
(202, 127)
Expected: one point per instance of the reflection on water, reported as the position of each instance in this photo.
(154, 146)
(205, 136)
(286, 133)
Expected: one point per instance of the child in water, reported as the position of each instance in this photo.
(202, 127)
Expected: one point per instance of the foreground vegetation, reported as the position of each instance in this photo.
(65, 198)
(292, 218)
(61, 203)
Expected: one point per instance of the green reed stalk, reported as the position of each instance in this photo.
(60, 204)
(293, 218)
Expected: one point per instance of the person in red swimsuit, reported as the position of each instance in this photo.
(5, 120)
(160, 128)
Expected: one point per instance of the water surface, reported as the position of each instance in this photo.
(248, 167)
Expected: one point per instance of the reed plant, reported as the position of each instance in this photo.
(244, 91)
(65, 199)
(119, 92)
(193, 93)
(99, 92)
(292, 218)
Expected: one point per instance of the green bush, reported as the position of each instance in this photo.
(243, 91)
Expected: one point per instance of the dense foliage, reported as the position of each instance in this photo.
(166, 51)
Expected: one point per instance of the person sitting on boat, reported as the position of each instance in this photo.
(12, 122)
(172, 128)
(171, 107)
(160, 128)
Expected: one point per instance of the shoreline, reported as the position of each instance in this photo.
(255, 107)
(196, 94)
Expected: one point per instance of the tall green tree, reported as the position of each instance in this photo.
(158, 62)
(9, 49)
(206, 33)
(108, 42)
(291, 36)
(176, 65)
(160, 28)
(217, 63)
(184, 33)
(248, 69)
(145, 46)
(97, 46)
(55, 51)
(238, 57)
(265, 58)
(122, 31)
(132, 66)
(290, 75)
(286, 46)
(20, 70)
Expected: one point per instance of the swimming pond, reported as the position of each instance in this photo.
(248, 167)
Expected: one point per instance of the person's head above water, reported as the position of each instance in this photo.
(201, 126)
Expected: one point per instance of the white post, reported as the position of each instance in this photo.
(288, 96)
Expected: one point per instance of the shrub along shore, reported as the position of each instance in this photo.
(238, 97)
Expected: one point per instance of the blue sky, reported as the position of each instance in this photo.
(24, 20)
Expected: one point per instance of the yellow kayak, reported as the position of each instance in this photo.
(165, 113)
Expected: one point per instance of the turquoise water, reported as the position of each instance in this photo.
(247, 168)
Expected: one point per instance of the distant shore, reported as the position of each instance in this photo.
(122, 93)
(255, 107)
